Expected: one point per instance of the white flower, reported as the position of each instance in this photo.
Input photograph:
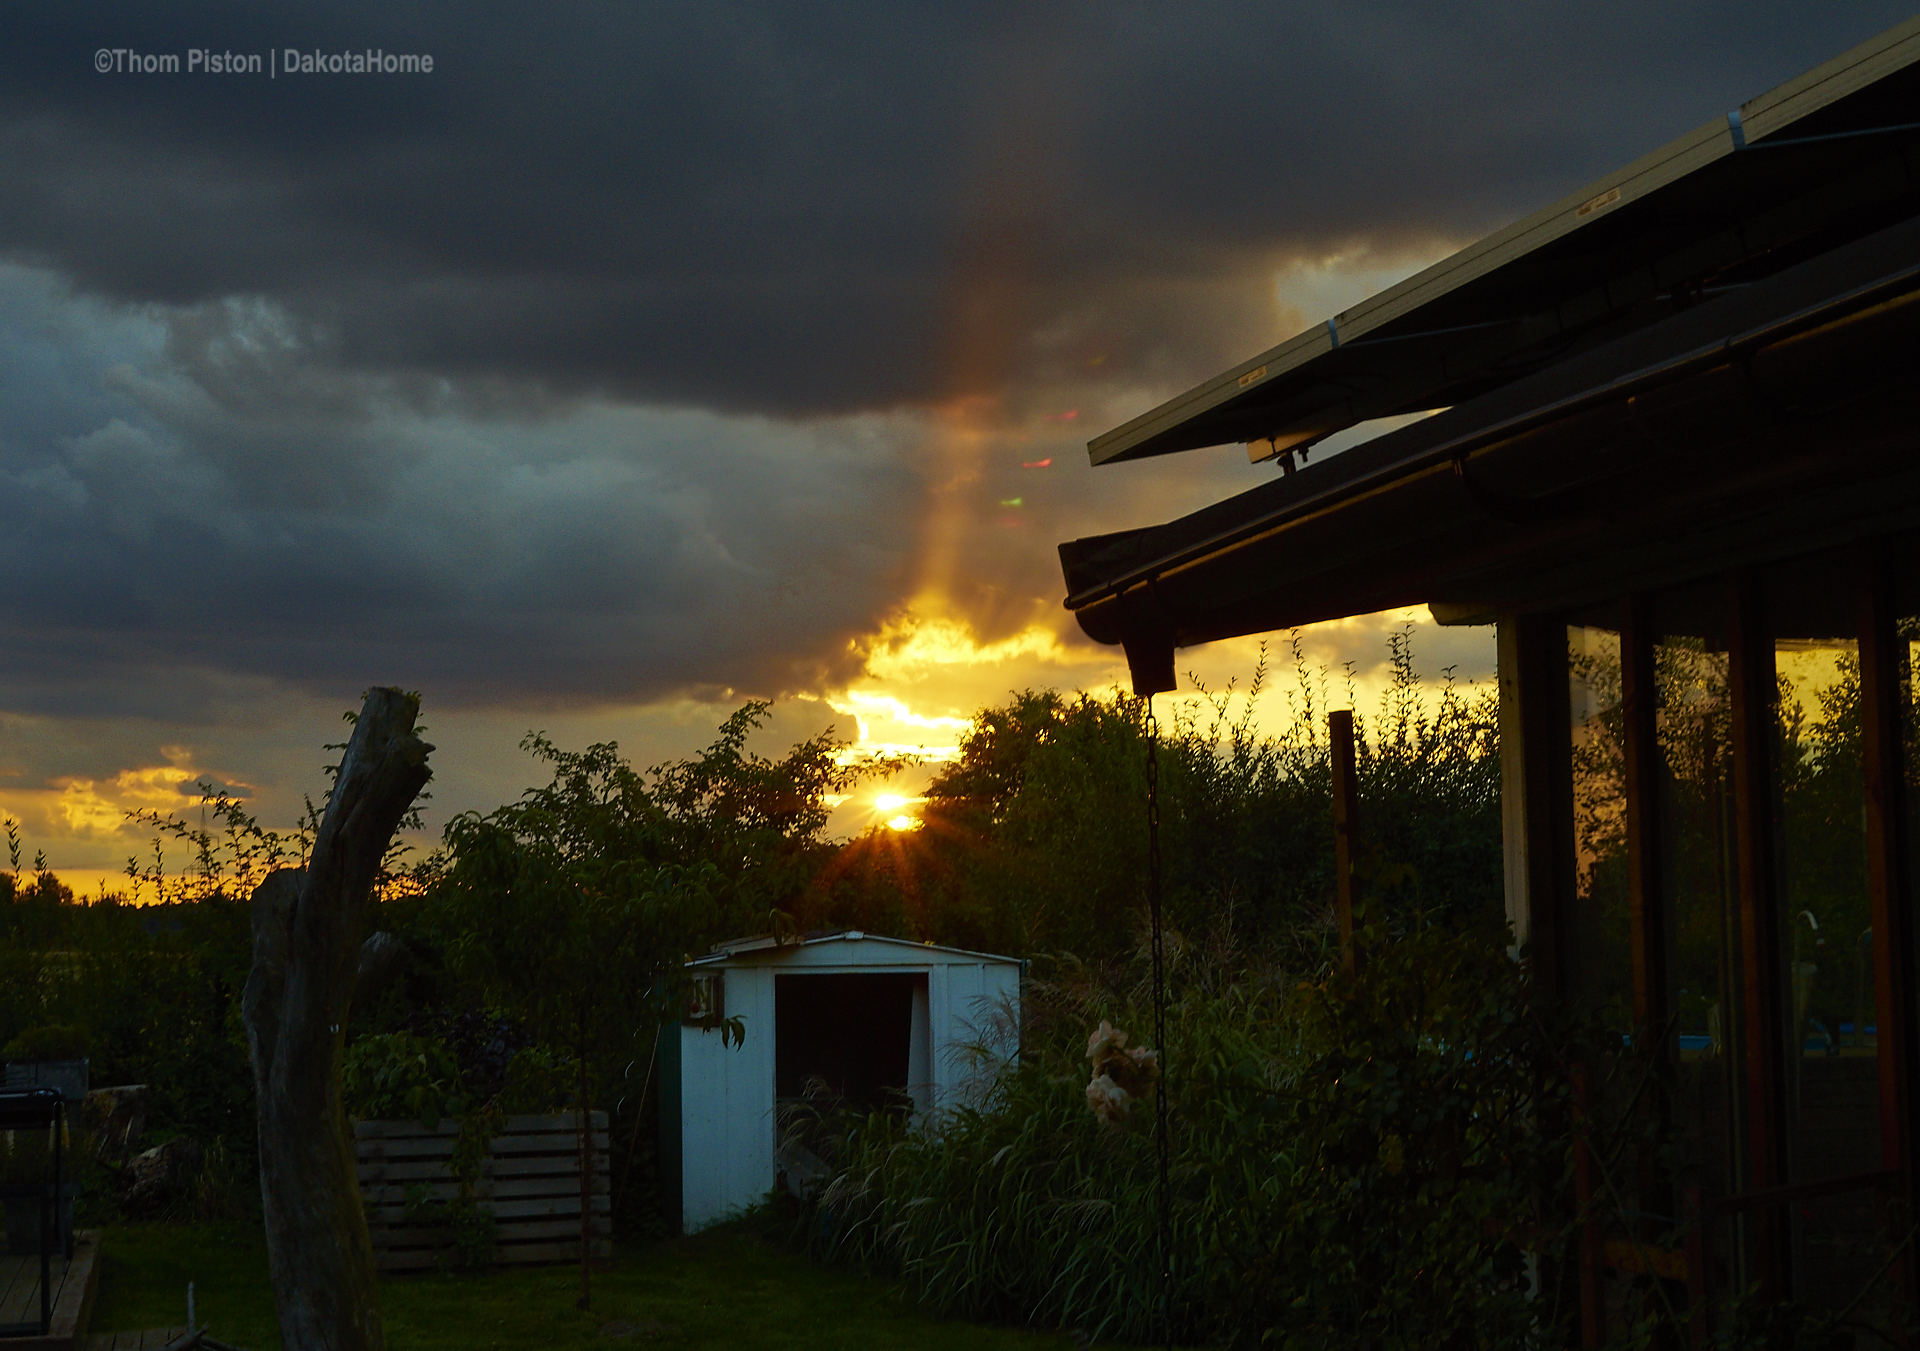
(1105, 1039)
(1146, 1062)
(1109, 1101)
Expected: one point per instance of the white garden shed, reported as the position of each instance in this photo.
(873, 1017)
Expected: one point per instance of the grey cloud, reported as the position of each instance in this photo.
(597, 367)
(784, 209)
(346, 538)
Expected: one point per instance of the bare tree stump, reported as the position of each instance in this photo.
(307, 958)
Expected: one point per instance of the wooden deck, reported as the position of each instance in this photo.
(74, 1284)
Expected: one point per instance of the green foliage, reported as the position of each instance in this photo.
(1035, 838)
(560, 936)
(32, 909)
(228, 858)
(26, 1156)
(573, 908)
(1411, 1139)
(397, 1076)
(539, 1080)
(52, 1042)
(155, 992)
(1353, 1158)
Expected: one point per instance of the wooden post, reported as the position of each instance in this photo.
(584, 1127)
(1750, 672)
(1545, 730)
(1593, 1310)
(1346, 817)
(1648, 924)
(1698, 1290)
(1646, 905)
(1883, 663)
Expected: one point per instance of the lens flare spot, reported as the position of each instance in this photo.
(903, 822)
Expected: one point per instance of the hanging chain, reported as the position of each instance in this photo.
(1162, 1144)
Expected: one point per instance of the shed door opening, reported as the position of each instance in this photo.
(855, 1032)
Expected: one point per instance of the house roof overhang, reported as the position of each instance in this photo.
(1786, 410)
(1705, 359)
(1822, 159)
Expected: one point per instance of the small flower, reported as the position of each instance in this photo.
(1109, 1101)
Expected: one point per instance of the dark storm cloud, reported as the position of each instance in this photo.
(595, 366)
(170, 537)
(791, 209)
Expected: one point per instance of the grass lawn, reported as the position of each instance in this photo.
(725, 1288)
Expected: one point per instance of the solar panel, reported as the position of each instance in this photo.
(1824, 159)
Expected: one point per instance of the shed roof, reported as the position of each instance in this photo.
(1821, 160)
(771, 947)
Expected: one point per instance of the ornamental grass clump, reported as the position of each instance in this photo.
(1028, 1207)
(1355, 1156)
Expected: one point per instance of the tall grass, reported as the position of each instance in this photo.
(1024, 1207)
(1353, 1158)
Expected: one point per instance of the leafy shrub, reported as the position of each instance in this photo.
(539, 1079)
(1035, 836)
(398, 1076)
(1422, 1117)
(52, 1042)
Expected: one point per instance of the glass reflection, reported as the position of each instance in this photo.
(1827, 947)
(1605, 974)
(1700, 879)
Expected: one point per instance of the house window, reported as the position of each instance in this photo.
(705, 1006)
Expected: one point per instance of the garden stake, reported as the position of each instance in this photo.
(1159, 1019)
(633, 1145)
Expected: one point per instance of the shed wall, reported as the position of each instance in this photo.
(969, 1004)
(726, 1104)
(728, 1131)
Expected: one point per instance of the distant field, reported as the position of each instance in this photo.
(724, 1289)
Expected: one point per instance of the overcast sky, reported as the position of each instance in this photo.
(640, 358)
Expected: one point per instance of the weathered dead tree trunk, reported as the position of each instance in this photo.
(307, 960)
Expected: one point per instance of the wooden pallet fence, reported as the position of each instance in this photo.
(530, 1180)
